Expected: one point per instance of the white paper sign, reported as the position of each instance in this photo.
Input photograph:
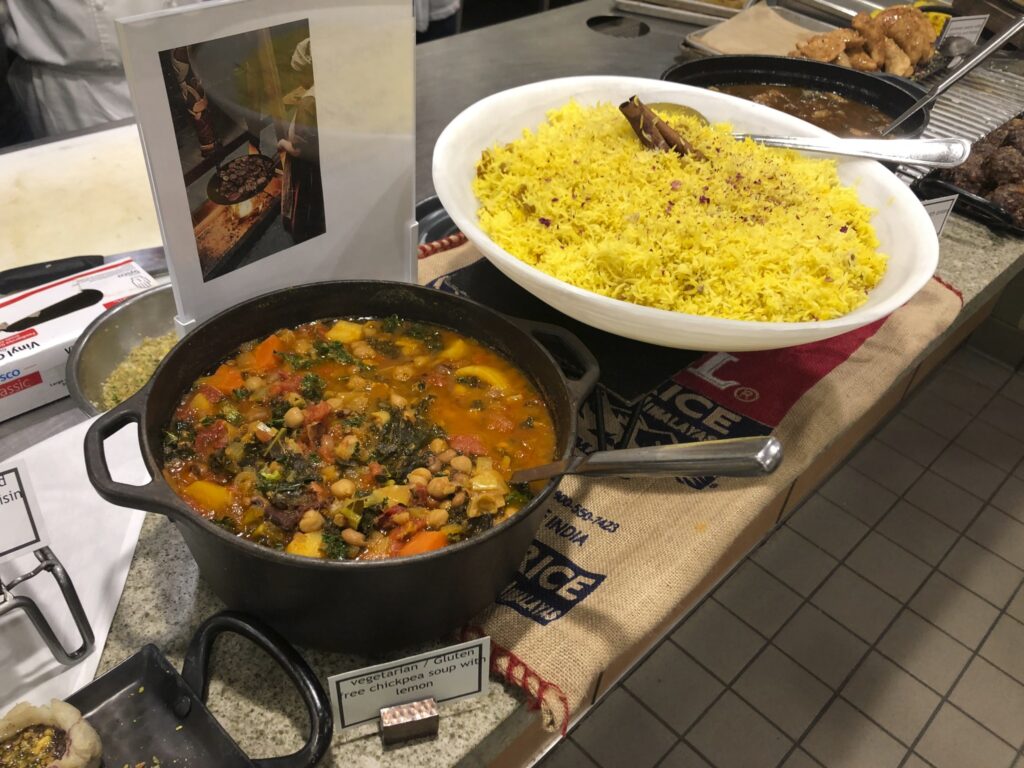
(21, 523)
(939, 209)
(94, 541)
(310, 106)
(967, 27)
(446, 674)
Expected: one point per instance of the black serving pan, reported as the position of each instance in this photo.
(365, 606)
(143, 709)
(891, 95)
(969, 204)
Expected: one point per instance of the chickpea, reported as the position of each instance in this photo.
(343, 488)
(419, 476)
(380, 417)
(329, 473)
(460, 478)
(293, 418)
(440, 487)
(438, 445)
(310, 521)
(403, 373)
(400, 518)
(295, 399)
(356, 383)
(462, 464)
(353, 537)
(459, 499)
(346, 447)
(437, 518)
(445, 456)
(398, 401)
(336, 403)
(253, 383)
(362, 350)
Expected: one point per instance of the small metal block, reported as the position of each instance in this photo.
(414, 720)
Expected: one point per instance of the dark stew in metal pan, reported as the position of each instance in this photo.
(836, 114)
(358, 439)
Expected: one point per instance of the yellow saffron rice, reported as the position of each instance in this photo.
(748, 233)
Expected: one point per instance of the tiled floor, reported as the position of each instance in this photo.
(882, 625)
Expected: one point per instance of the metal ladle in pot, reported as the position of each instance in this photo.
(735, 457)
(927, 153)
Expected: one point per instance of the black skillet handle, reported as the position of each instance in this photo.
(587, 371)
(195, 672)
(154, 496)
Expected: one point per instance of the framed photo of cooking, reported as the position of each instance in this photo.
(280, 143)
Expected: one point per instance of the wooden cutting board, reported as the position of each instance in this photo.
(85, 195)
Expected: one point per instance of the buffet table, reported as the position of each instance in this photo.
(164, 600)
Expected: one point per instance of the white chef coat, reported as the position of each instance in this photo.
(70, 76)
(431, 10)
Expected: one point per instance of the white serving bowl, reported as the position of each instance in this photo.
(904, 230)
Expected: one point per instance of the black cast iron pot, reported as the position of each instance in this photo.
(344, 605)
(891, 95)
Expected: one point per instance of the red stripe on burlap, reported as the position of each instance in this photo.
(444, 244)
(950, 286)
(545, 696)
(764, 385)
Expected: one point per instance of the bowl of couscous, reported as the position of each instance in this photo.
(733, 247)
(120, 349)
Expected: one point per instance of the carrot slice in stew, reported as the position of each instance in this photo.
(226, 378)
(263, 354)
(424, 541)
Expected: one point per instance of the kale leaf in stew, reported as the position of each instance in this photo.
(358, 439)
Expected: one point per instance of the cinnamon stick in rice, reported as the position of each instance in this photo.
(653, 132)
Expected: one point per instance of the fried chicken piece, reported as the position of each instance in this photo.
(1014, 134)
(1010, 197)
(827, 46)
(1005, 166)
(863, 62)
(874, 38)
(896, 60)
(914, 35)
(970, 174)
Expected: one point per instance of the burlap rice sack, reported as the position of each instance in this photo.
(614, 557)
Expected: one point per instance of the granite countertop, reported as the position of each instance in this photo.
(164, 600)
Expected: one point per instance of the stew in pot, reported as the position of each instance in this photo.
(358, 439)
(835, 113)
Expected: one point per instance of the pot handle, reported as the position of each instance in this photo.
(153, 496)
(579, 385)
(195, 672)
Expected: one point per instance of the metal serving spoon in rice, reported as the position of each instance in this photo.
(655, 133)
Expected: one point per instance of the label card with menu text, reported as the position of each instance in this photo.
(445, 674)
(967, 27)
(938, 209)
(21, 522)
